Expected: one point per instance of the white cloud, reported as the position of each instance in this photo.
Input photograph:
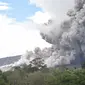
(16, 37)
(40, 17)
(4, 6)
(3, 3)
(55, 8)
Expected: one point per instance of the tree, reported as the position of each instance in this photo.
(37, 78)
(38, 63)
(83, 65)
(3, 79)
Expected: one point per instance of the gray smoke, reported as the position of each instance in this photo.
(68, 38)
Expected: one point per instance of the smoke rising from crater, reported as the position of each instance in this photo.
(68, 38)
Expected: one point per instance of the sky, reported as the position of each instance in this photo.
(19, 21)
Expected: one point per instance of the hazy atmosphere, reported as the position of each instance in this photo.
(19, 23)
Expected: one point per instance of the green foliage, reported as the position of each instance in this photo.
(36, 78)
(68, 77)
(45, 76)
(83, 65)
(3, 79)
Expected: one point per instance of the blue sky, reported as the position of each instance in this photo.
(19, 22)
(17, 32)
(20, 9)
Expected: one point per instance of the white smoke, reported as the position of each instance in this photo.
(25, 59)
(6, 68)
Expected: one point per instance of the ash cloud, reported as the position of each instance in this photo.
(68, 38)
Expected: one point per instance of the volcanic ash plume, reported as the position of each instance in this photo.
(68, 39)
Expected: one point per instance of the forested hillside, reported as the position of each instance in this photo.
(28, 75)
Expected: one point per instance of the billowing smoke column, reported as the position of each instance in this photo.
(68, 38)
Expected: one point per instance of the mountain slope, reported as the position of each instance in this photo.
(9, 60)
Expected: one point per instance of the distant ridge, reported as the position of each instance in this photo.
(9, 60)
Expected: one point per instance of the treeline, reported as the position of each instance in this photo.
(37, 73)
(3, 79)
(34, 75)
